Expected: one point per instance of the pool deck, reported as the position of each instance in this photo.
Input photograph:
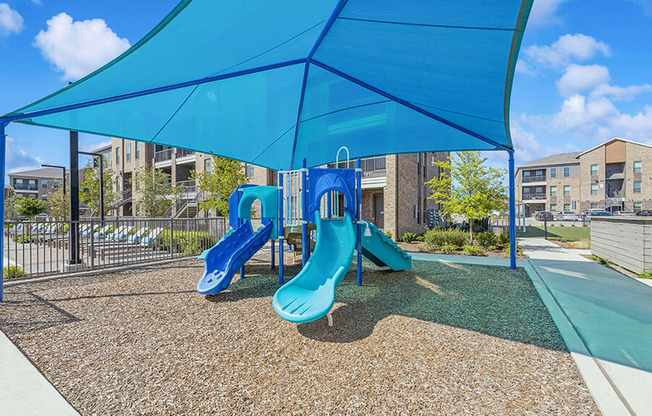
(604, 317)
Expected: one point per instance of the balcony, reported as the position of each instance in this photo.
(534, 197)
(25, 187)
(536, 178)
(183, 153)
(615, 193)
(163, 155)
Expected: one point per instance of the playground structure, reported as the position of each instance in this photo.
(328, 199)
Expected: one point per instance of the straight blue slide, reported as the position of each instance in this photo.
(382, 251)
(229, 255)
(311, 294)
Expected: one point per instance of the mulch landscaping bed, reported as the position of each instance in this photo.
(438, 339)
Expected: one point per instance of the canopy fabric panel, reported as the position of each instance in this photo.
(272, 82)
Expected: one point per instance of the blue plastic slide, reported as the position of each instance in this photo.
(229, 255)
(311, 294)
(382, 251)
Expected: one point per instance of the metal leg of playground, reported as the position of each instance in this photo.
(330, 319)
(358, 217)
(3, 141)
(273, 244)
(512, 214)
(281, 249)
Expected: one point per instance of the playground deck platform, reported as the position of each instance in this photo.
(440, 338)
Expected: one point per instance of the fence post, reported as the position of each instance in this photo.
(171, 238)
(92, 251)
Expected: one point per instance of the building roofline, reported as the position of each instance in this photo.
(609, 141)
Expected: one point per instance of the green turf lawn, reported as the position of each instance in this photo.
(562, 233)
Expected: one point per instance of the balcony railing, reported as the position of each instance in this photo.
(614, 174)
(530, 197)
(26, 187)
(615, 194)
(183, 153)
(537, 178)
(188, 186)
(163, 155)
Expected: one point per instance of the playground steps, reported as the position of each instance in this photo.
(382, 251)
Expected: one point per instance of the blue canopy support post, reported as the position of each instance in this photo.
(281, 249)
(305, 244)
(3, 142)
(273, 244)
(74, 198)
(329, 204)
(512, 213)
(358, 216)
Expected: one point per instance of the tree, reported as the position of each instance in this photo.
(58, 205)
(156, 193)
(90, 187)
(220, 182)
(10, 202)
(466, 186)
(30, 207)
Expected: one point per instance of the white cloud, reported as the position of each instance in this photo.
(18, 159)
(568, 48)
(581, 114)
(11, 22)
(77, 48)
(544, 13)
(522, 67)
(90, 147)
(581, 78)
(617, 93)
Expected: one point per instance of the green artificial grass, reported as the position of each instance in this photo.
(560, 233)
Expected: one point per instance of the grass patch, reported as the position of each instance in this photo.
(558, 233)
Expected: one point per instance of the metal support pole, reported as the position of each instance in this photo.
(74, 197)
(512, 213)
(281, 249)
(329, 204)
(273, 244)
(358, 216)
(305, 243)
(3, 142)
(101, 188)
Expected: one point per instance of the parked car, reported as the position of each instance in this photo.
(567, 216)
(544, 216)
(644, 213)
(624, 214)
(592, 214)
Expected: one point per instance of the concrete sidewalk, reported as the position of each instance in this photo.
(24, 391)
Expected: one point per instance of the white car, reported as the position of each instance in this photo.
(567, 216)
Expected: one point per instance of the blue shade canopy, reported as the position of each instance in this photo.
(272, 82)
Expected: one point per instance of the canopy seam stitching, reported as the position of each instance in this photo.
(388, 22)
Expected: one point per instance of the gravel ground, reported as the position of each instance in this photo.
(439, 339)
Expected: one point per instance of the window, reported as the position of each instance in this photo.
(638, 166)
(538, 173)
(538, 190)
(249, 170)
(566, 191)
(553, 172)
(128, 152)
(553, 207)
(117, 155)
(638, 206)
(526, 190)
(207, 164)
(118, 183)
(32, 184)
(567, 207)
(553, 191)
(574, 205)
(594, 170)
(44, 184)
(637, 187)
(539, 207)
(526, 174)
(18, 183)
(137, 150)
(566, 172)
(594, 205)
(594, 189)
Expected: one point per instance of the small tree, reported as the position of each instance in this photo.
(30, 207)
(58, 205)
(220, 182)
(466, 186)
(156, 193)
(90, 187)
(10, 202)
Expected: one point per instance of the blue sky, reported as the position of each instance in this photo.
(583, 74)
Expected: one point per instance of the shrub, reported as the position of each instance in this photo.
(486, 239)
(519, 249)
(12, 272)
(473, 251)
(502, 239)
(21, 238)
(449, 248)
(492, 248)
(437, 238)
(388, 234)
(600, 260)
(186, 242)
(645, 275)
(421, 238)
(409, 237)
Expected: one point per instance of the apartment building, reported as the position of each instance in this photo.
(394, 194)
(36, 183)
(615, 175)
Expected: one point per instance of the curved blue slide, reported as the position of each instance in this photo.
(227, 257)
(311, 294)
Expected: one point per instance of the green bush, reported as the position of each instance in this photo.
(388, 234)
(492, 248)
(421, 238)
(473, 251)
(12, 272)
(600, 260)
(21, 238)
(502, 239)
(449, 248)
(519, 249)
(437, 238)
(409, 237)
(186, 242)
(486, 239)
(645, 275)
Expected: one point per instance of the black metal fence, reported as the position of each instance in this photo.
(46, 248)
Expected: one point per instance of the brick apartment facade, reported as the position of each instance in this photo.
(37, 183)
(615, 176)
(394, 194)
